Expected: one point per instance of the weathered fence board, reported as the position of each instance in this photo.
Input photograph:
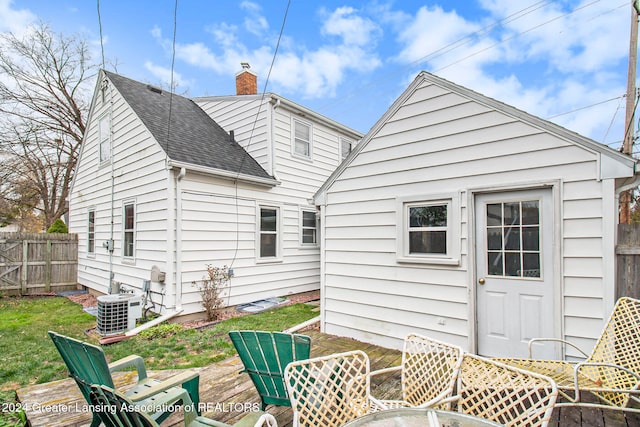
(32, 263)
(628, 261)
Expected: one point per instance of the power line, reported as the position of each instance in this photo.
(583, 108)
(173, 60)
(535, 27)
(100, 28)
(255, 121)
(615, 113)
(441, 51)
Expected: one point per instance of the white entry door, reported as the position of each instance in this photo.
(514, 265)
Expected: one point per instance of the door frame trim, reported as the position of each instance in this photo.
(557, 278)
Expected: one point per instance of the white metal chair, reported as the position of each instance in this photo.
(506, 395)
(428, 373)
(612, 370)
(328, 391)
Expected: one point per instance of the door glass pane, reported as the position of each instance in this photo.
(512, 264)
(530, 213)
(531, 238)
(494, 238)
(531, 264)
(513, 239)
(512, 213)
(494, 214)
(494, 266)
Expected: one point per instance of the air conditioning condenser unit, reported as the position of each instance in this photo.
(118, 313)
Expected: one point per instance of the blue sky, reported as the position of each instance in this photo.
(562, 60)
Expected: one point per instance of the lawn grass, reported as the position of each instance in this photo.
(28, 356)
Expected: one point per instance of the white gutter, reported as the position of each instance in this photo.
(270, 182)
(272, 132)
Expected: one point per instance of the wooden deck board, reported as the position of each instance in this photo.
(225, 393)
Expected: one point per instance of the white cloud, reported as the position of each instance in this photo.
(310, 73)
(254, 22)
(355, 30)
(546, 59)
(14, 20)
(431, 33)
(164, 75)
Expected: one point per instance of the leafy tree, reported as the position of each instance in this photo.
(44, 100)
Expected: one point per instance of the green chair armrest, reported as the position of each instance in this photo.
(185, 380)
(130, 361)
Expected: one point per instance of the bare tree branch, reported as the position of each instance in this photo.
(45, 87)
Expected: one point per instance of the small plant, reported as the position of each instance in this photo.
(58, 226)
(212, 288)
(161, 331)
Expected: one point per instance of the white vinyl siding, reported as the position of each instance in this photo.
(142, 176)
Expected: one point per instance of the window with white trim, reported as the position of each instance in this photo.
(129, 230)
(105, 138)
(268, 236)
(308, 228)
(346, 145)
(428, 228)
(302, 139)
(91, 232)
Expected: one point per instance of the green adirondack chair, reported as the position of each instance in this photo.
(117, 410)
(265, 355)
(88, 365)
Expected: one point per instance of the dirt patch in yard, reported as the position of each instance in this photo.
(86, 300)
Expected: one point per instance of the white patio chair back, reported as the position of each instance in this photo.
(328, 391)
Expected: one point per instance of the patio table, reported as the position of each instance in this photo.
(412, 417)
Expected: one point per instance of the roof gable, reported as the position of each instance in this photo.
(183, 130)
(612, 162)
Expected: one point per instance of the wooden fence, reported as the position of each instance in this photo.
(628, 261)
(32, 263)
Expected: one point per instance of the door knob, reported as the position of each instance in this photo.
(481, 280)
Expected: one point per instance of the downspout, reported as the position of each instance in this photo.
(178, 302)
(272, 143)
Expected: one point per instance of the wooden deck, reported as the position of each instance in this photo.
(225, 394)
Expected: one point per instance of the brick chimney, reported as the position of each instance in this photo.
(246, 81)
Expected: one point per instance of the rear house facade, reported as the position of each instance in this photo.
(467, 220)
(167, 185)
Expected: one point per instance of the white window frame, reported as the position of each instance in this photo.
(126, 230)
(104, 139)
(304, 227)
(343, 143)
(294, 152)
(452, 255)
(91, 235)
(277, 233)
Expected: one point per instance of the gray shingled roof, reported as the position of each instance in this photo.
(194, 137)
